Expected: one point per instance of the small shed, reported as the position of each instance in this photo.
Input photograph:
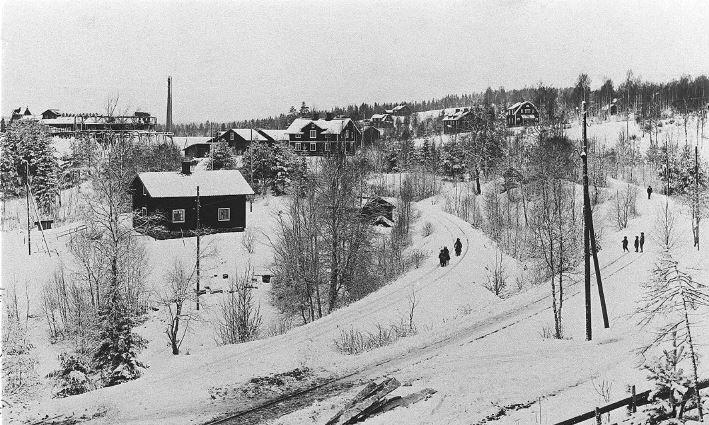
(378, 207)
(166, 203)
(195, 147)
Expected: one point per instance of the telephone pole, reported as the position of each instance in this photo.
(586, 233)
(199, 230)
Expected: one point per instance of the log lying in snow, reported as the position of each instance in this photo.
(370, 401)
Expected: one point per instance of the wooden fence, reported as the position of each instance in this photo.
(631, 402)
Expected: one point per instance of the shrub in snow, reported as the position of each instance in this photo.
(355, 341)
(72, 377)
(427, 229)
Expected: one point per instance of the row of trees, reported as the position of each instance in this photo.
(554, 102)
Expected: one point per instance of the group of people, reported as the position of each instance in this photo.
(445, 256)
(639, 242)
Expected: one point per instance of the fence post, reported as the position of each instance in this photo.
(633, 401)
(598, 416)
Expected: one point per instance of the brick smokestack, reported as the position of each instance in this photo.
(168, 119)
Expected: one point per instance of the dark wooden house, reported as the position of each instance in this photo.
(239, 139)
(318, 137)
(522, 114)
(165, 203)
(195, 147)
(458, 121)
(382, 121)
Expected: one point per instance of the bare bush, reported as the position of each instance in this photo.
(417, 257)
(625, 205)
(355, 342)
(427, 229)
(176, 300)
(496, 276)
(248, 240)
(279, 327)
(240, 318)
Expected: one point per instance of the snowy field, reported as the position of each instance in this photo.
(479, 352)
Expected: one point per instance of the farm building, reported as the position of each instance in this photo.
(166, 202)
(317, 137)
(522, 113)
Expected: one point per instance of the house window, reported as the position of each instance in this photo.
(313, 146)
(327, 146)
(224, 214)
(296, 146)
(144, 192)
(297, 136)
(178, 216)
(347, 134)
(313, 134)
(143, 212)
(231, 136)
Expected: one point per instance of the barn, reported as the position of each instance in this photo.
(522, 113)
(166, 203)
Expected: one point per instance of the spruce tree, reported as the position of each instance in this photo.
(27, 145)
(116, 356)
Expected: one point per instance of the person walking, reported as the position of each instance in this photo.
(442, 258)
(636, 243)
(649, 191)
(458, 247)
(642, 240)
(446, 255)
(625, 244)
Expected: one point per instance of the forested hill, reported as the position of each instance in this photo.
(684, 93)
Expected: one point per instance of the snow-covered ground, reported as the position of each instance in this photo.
(479, 352)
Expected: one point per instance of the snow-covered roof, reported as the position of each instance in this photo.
(173, 184)
(249, 134)
(457, 114)
(191, 141)
(59, 120)
(518, 105)
(333, 126)
(277, 135)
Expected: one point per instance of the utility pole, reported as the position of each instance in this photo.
(586, 234)
(251, 168)
(199, 230)
(27, 193)
(696, 196)
(590, 232)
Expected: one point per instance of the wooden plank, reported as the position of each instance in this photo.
(369, 397)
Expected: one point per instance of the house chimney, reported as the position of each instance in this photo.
(186, 168)
(328, 116)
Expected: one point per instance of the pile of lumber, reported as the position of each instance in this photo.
(371, 400)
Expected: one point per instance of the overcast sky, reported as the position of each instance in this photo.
(236, 60)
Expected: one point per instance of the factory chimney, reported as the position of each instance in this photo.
(168, 119)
